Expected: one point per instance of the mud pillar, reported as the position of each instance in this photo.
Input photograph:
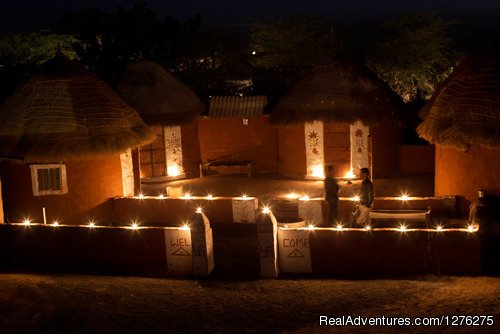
(202, 245)
(267, 228)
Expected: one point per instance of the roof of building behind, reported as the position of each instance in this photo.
(465, 111)
(62, 112)
(237, 106)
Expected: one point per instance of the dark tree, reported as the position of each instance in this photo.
(299, 40)
(21, 54)
(415, 54)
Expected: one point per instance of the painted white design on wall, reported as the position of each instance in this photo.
(179, 253)
(315, 154)
(359, 147)
(173, 148)
(311, 212)
(127, 173)
(244, 210)
(294, 251)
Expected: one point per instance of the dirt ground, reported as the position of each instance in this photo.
(96, 304)
(269, 186)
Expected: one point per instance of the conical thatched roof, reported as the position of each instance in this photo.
(338, 90)
(64, 111)
(466, 109)
(157, 95)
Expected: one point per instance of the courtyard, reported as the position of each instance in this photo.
(105, 304)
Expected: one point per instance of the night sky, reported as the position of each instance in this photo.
(26, 15)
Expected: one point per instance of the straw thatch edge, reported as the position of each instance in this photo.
(74, 148)
(282, 116)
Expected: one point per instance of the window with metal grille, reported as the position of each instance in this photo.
(49, 179)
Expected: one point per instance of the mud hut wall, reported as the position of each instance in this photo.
(83, 250)
(341, 253)
(385, 150)
(292, 151)
(190, 149)
(416, 158)
(464, 173)
(91, 186)
(230, 138)
(337, 147)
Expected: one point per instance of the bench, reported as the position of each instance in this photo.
(228, 167)
(401, 214)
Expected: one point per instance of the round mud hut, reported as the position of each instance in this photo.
(65, 141)
(339, 114)
(170, 108)
(463, 120)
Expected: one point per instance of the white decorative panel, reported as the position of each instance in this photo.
(311, 211)
(173, 148)
(127, 173)
(315, 156)
(244, 210)
(179, 253)
(294, 251)
(359, 147)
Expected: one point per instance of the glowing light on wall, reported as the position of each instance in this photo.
(26, 222)
(318, 171)
(368, 227)
(472, 228)
(266, 210)
(439, 228)
(55, 223)
(210, 197)
(186, 196)
(304, 198)
(199, 210)
(310, 227)
(244, 197)
(161, 196)
(292, 195)
(404, 197)
(173, 170)
(185, 227)
(402, 228)
(356, 198)
(349, 175)
(140, 196)
(339, 227)
(91, 224)
(134, 226)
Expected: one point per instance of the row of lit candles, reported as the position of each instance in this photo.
(91, 224)
(401, 228)
(292, 195)
(265, 210)
(339, 227)
(189, 196)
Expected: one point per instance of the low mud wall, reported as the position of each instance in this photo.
(362, 252)
(104, 249)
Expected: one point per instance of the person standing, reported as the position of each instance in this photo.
(331, 196)
(366, 198)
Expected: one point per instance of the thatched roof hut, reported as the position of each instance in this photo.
(63, 112)
(465, 111)
(338, 90)
(157, 95)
